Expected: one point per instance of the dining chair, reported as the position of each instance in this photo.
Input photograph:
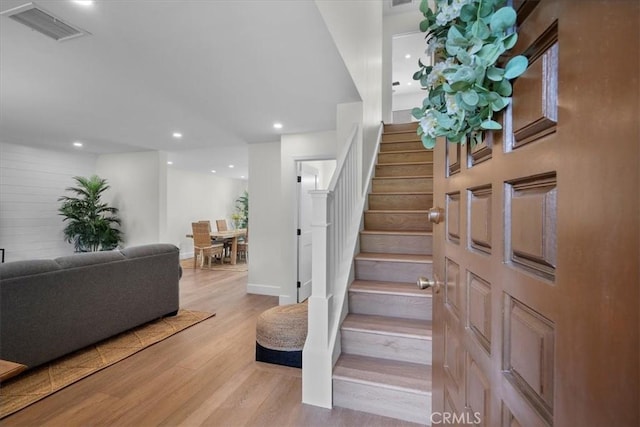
(202, 246)
(243, 245)
(221, 224)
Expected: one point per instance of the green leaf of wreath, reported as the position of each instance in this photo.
(470, 97)
(495, 74)
(417, 113)
(515, 67)
(428, 142)
(503, 19)
(490, 125)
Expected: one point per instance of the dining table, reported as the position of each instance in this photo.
(232, 235)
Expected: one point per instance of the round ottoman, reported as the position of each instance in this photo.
(280, 334)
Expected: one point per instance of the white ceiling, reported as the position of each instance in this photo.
(221, 72)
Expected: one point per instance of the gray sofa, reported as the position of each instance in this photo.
(49, 308)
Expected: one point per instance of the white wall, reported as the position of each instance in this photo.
(193, 196)
(31, 181)
(139, 185)
(357, 30)
(265, 208)
(401, 23)
(272, 215)
(325, 171)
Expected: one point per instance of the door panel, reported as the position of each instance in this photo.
(537, 321)
(308, 181)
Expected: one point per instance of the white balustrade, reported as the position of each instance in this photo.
(336, 222)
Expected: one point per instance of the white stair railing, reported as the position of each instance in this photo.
(335, 224)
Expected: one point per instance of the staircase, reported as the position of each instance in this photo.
(385, 365)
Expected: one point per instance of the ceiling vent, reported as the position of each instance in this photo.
(395, 3)
(38, 19)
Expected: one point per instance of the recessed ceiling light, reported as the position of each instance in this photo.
(212, 171)
(242, 176)
(407, 56)
(277, 125)
(177, 135)
(231, 166)
(84, 2)
(408, 83)
(77, 144)
(169, 162)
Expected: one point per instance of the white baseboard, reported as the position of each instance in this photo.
(286, 300)
(253, 288)
(186, 255)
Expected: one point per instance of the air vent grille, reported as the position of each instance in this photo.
(44, 22)
(395, 3)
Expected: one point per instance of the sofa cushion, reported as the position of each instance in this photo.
(148, 250)
(89, 258)
(28, 267)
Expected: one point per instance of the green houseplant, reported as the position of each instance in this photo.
(469, 81)
(92, 225)
(242, 210)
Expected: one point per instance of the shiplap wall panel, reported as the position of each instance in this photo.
(31, 181)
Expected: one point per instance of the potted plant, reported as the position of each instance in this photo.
(242, 211)
(92, 225)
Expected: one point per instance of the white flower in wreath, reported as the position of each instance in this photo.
(449, 12)
(429, 123)
(436, 78)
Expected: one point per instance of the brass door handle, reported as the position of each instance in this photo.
(435, 215)
(424, 283)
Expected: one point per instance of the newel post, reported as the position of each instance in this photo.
(317, 356)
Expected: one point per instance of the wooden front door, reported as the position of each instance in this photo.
(536, 322)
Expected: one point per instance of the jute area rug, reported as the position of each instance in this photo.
(240, 266)
(33, 385)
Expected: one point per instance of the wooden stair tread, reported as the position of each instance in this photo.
(402, 193)
(397, 233)
(384, 325)
(372, 256)
(389, 288)
(403, 151)
(404, 163)
(405, 376)
(399, 211)
(404, 177)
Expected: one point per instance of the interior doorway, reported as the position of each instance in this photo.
(312, 175)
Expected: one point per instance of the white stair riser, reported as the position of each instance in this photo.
(399, 404)
(396, 244)
(385, 271)
(403, 306)
(384, 346)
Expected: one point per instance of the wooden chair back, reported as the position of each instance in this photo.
(206, 221)
(221, 224)
(201, 234)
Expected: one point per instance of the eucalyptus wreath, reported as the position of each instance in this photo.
(466, 85)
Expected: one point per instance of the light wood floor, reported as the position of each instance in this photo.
(205, 375)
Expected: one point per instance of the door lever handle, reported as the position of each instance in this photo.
(424, 283)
